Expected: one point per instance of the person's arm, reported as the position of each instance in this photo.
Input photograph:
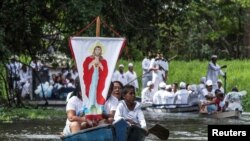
(71, 115)
(118, 113)
(142, 120)
(214, 67)
(143, 98)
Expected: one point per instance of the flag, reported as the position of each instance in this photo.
(95, 58)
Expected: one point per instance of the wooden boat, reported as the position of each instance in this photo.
(226, 114)
(171, 108)
(100, 133)
(125, 132)
(119, 131)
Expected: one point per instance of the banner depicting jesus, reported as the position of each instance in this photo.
(95, 59)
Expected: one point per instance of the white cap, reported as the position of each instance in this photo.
(214, 56)
(162, 85)
(168, 86)
(182, 85)
(149, 83)
(130, 65)
(121, 65)
(209, 83)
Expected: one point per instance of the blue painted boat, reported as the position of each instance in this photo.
(99, 133)
(125, 132)
(119, 131)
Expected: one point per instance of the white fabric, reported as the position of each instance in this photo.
(182, 96)
(74, 104)
(14, 68)
(234, 100)
(136, 114)
(213, 72)
(147, 95)
(156, 74)
(170, 97)
(146, 66)
(206, 92)
(111, 104)
(160, 97)
(26, 78)
(82, 47)
(117, 76)
(38, 65)
(132, 78)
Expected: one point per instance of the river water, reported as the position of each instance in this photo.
(182, 127)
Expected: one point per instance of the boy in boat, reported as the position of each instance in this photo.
(129, 109)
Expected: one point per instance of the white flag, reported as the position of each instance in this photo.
(95, 58)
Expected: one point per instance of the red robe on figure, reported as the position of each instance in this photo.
(87, 78)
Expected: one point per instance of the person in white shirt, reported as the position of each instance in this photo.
(233, 100)
(36, 66)
(129, 109)
(132, 76)
(200, 87)
(147, 93)
(182, 95)
(214, 70)
(156, 73)
(160, 95)
(219, 83)
(75, 115)
(120, 75)
(74, 112)
(13, 69)
(208, 91)
(147, 75)
(112, 101)
(170, 96)
(25, 81)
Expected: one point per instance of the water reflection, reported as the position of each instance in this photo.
(182, 126)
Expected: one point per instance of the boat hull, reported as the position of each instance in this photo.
(119, 131)
(100, 133)
(172, 108)
(227, 114)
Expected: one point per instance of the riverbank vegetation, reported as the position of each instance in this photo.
(10, 114)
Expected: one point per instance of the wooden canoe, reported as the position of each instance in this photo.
(226, 114)
(100, 133)
(172, 108)
(119, 131)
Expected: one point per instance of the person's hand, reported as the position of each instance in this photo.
(224, 66)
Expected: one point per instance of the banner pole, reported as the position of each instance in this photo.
(98, 23)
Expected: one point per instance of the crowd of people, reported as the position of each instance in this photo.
(121, 102)
(36, 80)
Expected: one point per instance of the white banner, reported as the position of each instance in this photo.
(95, 58)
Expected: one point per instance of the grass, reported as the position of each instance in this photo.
(10, 114)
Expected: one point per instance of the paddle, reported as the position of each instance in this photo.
(159, 131)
